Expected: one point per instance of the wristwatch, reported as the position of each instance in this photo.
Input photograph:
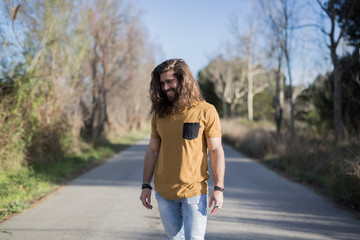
(146, 185)
(217, 188)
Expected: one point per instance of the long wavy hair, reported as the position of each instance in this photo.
(188, 91)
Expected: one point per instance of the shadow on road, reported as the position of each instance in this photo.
(259, 204)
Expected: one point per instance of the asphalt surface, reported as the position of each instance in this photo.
(104, 204)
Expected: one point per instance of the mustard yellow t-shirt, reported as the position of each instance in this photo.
(181, 169)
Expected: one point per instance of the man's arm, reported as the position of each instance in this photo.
(217, 162)
(149, 167)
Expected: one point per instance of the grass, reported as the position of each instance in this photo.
(335, 170)
(20, 188)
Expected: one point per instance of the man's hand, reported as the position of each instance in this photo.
(216, 198)
(145, 198)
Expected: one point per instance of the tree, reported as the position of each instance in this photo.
(255, 77)
(118, 66)
(136, 68)
(286, 49)
(83, 65)
(208, 91)
(13, 14)
(348, 17)
(316, 102)
(274, 19)
(281, 18)
(229, 80)
(247, 45)
(344, 12)
(42, 77)
(56, 45)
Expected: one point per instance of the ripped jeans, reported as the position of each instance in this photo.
(183, 219)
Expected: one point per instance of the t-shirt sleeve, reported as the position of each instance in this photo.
(154, 132)
(212, 126)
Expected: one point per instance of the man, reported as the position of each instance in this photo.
(183, 128)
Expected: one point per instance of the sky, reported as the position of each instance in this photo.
(194, 30)
(198, 30)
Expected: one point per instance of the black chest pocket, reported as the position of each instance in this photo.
(191, 130)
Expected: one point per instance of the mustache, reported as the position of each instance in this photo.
(169, 90)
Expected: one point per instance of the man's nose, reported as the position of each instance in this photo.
(166, 87)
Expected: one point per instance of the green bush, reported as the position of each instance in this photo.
(12, 141)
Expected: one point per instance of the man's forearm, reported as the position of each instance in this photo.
(217, 161)
(149, 165)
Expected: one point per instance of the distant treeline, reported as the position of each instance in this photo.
(253, 76)
(313, 105)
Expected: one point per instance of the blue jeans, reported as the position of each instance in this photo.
(183, 218)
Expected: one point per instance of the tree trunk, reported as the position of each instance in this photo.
(225, 112)
(232, 109)
(250, 94)
(292, 127)
(287, 58)
(279, 98)
(337, 98)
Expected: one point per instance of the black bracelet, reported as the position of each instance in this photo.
(217, 188)
(146, 185)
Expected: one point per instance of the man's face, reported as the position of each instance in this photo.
(169, 84)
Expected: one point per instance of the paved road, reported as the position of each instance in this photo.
(104, 204)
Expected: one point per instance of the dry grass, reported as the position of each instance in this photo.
(335, 169)
(253, 138)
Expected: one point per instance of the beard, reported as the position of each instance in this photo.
(172, 95)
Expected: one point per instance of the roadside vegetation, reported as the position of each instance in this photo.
(332, 169)
(73, 91)
(21, 187)
(310, 130)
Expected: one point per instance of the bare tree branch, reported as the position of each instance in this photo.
(346, 21)
(308, 25)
